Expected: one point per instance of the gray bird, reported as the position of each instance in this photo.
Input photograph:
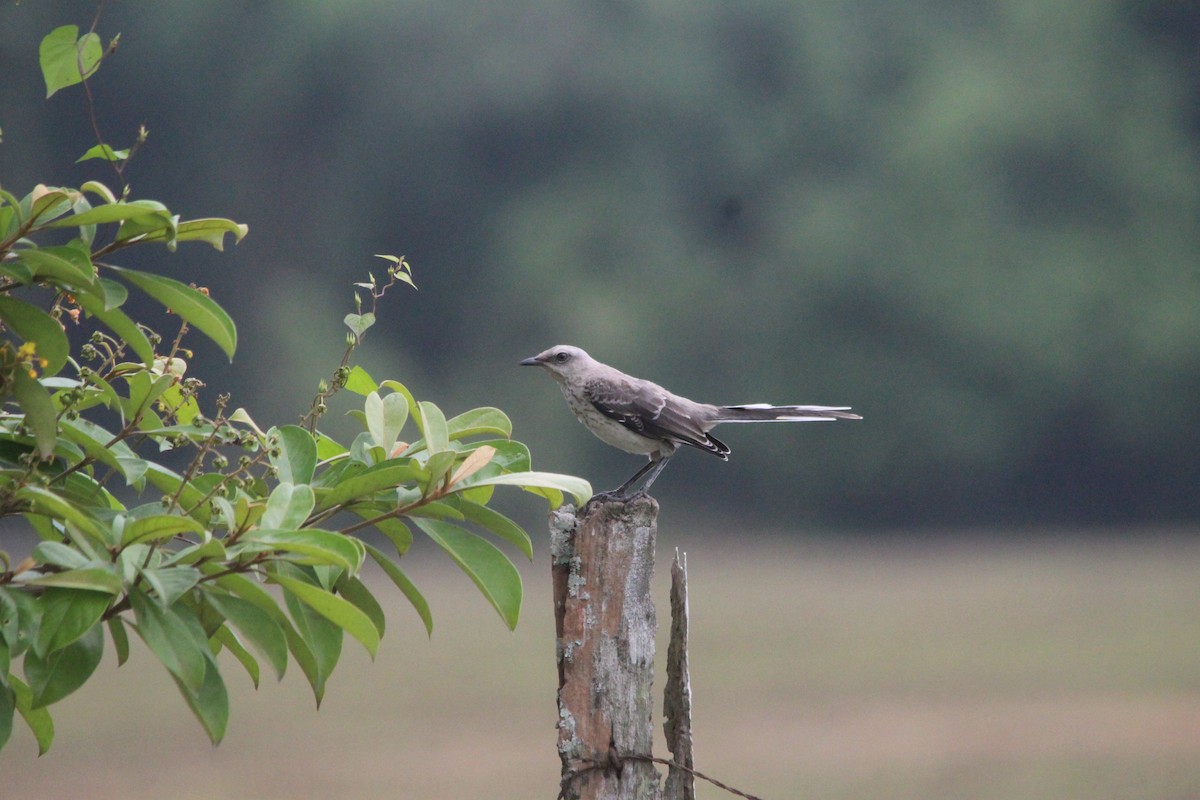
(638, 416)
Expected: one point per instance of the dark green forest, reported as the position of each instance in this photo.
(977, 222)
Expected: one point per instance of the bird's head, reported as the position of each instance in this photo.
(562, 361)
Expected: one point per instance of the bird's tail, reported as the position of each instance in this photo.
(761, 412)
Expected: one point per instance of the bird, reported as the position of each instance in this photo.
(641, 417)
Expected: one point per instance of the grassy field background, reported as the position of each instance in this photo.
(1053, 667)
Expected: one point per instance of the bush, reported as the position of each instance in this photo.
(157, 518)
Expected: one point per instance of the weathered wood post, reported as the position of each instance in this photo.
(677, 696)
(602, 561)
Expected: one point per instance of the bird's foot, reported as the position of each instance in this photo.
(611, 496)
(617, 496)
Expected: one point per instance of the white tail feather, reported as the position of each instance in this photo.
(765, 412)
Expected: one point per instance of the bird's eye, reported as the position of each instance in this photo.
(561, 357)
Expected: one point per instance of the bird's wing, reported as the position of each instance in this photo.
(651, 411)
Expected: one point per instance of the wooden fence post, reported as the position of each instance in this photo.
(602, 562)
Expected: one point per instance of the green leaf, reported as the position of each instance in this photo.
(159, 227)
(210, 230)
(120, 324)
(228, 639)
(484, 564)
(11, 629)
(65, 266)
(313, 545)
(120, 211)
(104, 152)
(357, 593)
(359, 323)
(193, 306)
(64, 670)
(38, 719)
(317, 660)
(315, 642)
(328, 448)
(183, 408)
(288, 506)
(360, 382)
(171, 230)
(510, 456)
(247, 590)
(297, 459)
(433, 426)
(437, 467)
(261, 631)
(84, 490)
(406, 586)
(106, 448)
(400, 269)
(94, 579)
(100, 190)
(495, 522)
(243, 416)
(67, 58)
(177, 641)
(116, 629)
(40, 415)
(158, 527)
(95, 392)
(209, 700)
(87, 233)
(67, 614)
(8, 707)
(364, 450)
(47, 202)
(385, 418)
(536, 481)
(339, 470)
(36, 326)
(335, 609)
(144, 389)
(45, 502)
(23, 268)
(59, 554)
(479, 421)
(316, 668)
(170, 583)
(474, 461)
(391, 527)
(387, 475)
(47, 528)
(212, 550)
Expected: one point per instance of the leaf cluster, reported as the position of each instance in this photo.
(204, 533)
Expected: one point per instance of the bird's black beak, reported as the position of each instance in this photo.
(530, 362)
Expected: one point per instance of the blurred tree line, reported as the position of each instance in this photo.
(976, 222)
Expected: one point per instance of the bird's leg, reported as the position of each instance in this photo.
(653, 473)
(650, 472)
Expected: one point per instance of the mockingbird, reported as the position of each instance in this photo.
(638, 416)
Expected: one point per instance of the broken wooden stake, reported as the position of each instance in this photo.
(677, 696)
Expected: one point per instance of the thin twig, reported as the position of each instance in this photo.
(91, 105)
(338, 381)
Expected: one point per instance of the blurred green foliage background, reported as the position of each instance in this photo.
(976, 222)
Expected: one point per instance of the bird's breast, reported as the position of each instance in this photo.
(610, 431)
